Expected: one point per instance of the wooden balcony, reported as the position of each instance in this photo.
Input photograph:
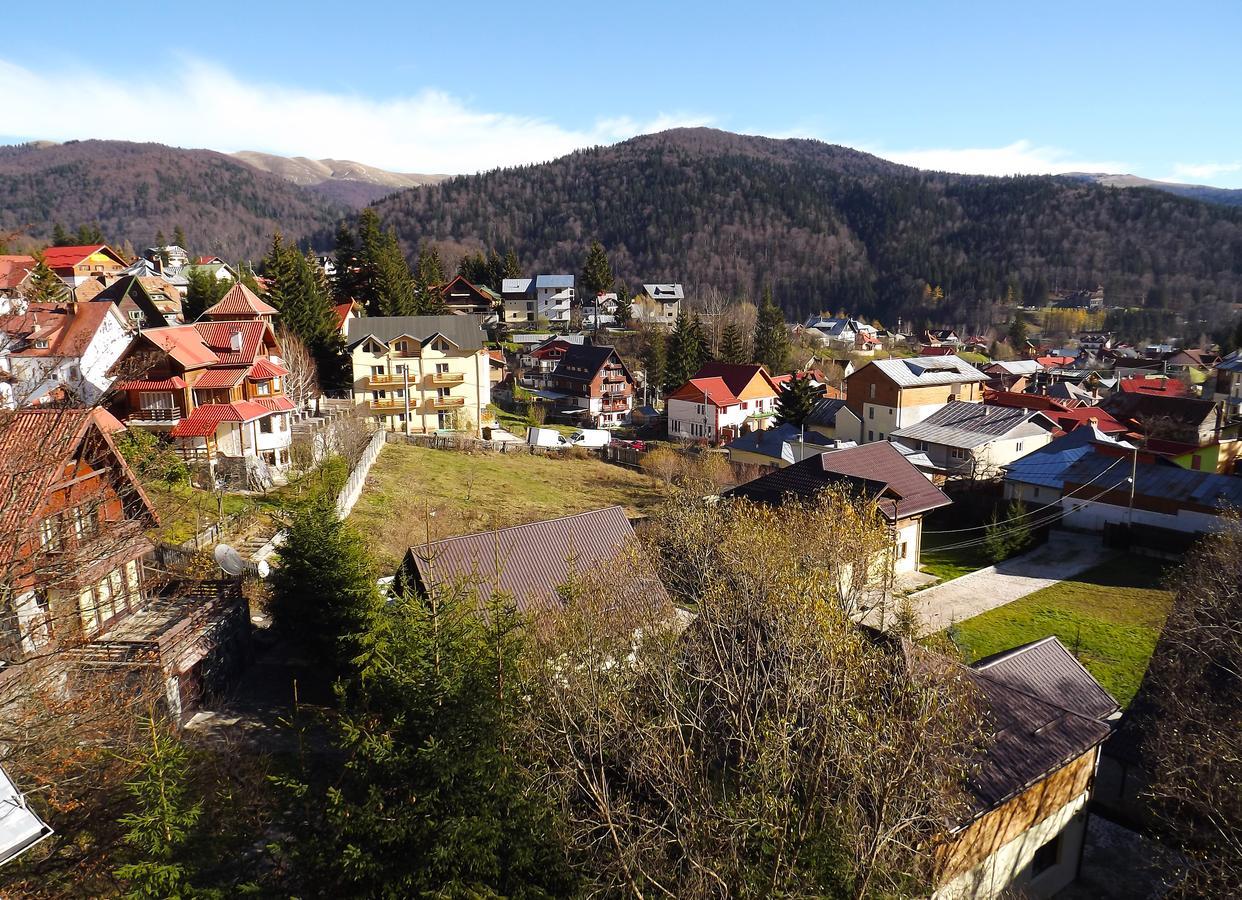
(382, 381)
(388, 405)
(448, 402)
(158, 416)
(443, 378)
(614, 405)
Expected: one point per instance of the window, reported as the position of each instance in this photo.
(40, 345)
(86, 521)
(442, 368)
(265, 425)
(871, 435)
(873, 392)
(922, 446)
(377, 370)
(1046, 857)
(870, 412)
(402, 346)
(904, 550)
(1018, 446)
(49, 534)
(263, 388)
(957, 453)
(1196, 462)
(1035, 492)
(156, 400)
(135, 315)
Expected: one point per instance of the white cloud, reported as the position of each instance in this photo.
(1203, 171)
(204, 105)
(1019, 158)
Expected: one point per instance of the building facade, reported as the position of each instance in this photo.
(888, 394)
(594, 384)
(722, 401)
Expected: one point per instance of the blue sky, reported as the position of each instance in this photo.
(996, 87)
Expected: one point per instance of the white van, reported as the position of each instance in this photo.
(590, 437)
(545, 437)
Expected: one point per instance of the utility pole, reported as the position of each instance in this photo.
(1133, 479)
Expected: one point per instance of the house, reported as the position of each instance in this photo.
(1045, 719)
(530, 564)
(878, 472)
(420, 374)
(463, 298)
(937, 337)
(134, 302)
(173, 279)
(1013, 375)
(974, 440)
(169, 255)
(213, 266)
(1038, 478)
(51, 352)
(350, 309)
(77, 561)
(1095, 341)
(841, 333)
(938, 350)
(658, 304)
(14, 272)
(833, 418)
(216, 388)
(240, 304)
(722, 401)
(1120, 487)
(887, 394)
(544, 298)
(1068, 414)
(1191, 431)
(596, 385)
(781, 445)
(1227, 390)
(75, 265)
(538, 363)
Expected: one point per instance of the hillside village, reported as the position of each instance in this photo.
(189, 446)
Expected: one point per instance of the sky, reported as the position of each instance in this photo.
(1151, 89)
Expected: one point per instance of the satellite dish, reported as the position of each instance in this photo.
(229, 560)
(263, 568)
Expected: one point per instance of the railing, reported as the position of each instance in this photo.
(385, 380)
(448, 378)
(614, 406)
(352, 490)
(448, 402)
(390, 405)
(155, 415)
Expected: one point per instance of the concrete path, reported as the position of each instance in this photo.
(1064, 556)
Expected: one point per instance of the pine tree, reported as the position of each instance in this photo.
(495, 270)
(346, 280)
(625, 310)
(393, 287)
(279, 271)
(374, 247)
(60, 237)
(794, 402)
(732, 344)
(686, 351)
(655, 359)
(179, 238)
(203, 289)
(597, 277)
(429, 280)
(44, 285)
(474, 268)
(1017, 333)
(512, 268)
(323, 592)
(771, 343)
(160, 826)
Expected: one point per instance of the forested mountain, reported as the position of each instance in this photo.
(828, 227)
(1204, 192)
(134, 191)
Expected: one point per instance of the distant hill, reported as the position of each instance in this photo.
(344, 181)
(132, 191)
(1206, 193)
(832, 228)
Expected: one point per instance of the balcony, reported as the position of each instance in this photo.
(385, 380)
(614, 405)
(443, 378)
(387, 405)
(154, 416)
(448, 402)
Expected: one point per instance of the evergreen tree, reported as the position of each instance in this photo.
(429, 280)
(280, 273)
(625, 310)
(597, 277)
(771, 343)
(495, 270)
(393, 287)
(60, 237)
(179, 238)
(89, 235)
(432, 801)
(474, 268)
(203, 289)
(512, 268)
(686, 351)
(655, 359)
(1017, 333)
(160, 240)
(732, 344)
(374, 249)
(794, 402)
(324, 595)
(160, 826)
(45, 285)
(346, 282)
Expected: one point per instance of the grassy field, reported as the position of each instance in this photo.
(1111, 615)
(947, 564)
(413, 492)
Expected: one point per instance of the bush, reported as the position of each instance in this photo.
(1006, 537)
(151, 457)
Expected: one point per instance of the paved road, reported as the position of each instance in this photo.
(1064, 556)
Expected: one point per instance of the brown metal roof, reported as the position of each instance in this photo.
(1048, 670)
(530, 562)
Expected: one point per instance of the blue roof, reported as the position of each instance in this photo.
(554, 281)
(1162, 480)
(1046, 466)
(771, 441)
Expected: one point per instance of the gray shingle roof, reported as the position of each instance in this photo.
(927, 370)
(665, 292)
(962, 424)
(558, 282)
(464, 331)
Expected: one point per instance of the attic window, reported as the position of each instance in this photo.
(40, 345)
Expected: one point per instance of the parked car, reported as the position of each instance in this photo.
(590, 437)
(545, 437)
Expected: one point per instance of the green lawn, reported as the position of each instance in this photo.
(1112, 615)
(413, 493)
(947, 564)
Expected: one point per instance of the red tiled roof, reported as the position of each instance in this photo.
(67, 333)
(264, 369)
(239, 301)
(1053, 362)
(737, 377)
(938, 351)
(1018, 400)
(342, 313)
(707, 390)
(220, 378)
(1069, 419)
(275, 404)
(207, 418)
(218, 336)
(175, 383)
(13, 271)
(67, 257)
(1162, 387)
(184, 344)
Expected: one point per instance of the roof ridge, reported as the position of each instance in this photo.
(477, 534)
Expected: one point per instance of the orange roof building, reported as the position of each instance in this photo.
(722, 401)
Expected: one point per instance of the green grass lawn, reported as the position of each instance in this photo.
(1111, 615)
(947, 564)
(415, 492)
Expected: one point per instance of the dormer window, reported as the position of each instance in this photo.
(40, 345)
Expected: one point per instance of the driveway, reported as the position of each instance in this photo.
(1063, 556)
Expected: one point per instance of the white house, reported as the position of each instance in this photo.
(658, 304)
(722, 401)
(46, 349)
(976, 440)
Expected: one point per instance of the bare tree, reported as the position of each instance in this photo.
(302, 382)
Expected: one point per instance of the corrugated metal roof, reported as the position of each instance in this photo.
(274, 404)
(1046, 466)
(1047, 669)
(531, 562)
(1015, 367)
(464, 331)
(666, 293)
(264, 369)
(219, 337)
(962, 424)
(175, 383)
(1158, 480)
(516, 285)
(824, 412)
(558, 282)
(927, 370)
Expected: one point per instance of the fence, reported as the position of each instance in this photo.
(349, 494)
(210, 536)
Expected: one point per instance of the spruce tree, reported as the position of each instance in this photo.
(794, 402)
(495, 270)
(179, 238)
(655, 359)
(346, 282)
(732, 344)
(473, 267)
(45, 285)
(771, 344)
(512, 268)
(597, 277)
(429, 280)
(203, 289)
(60, 237)
(374, 247)
(279, 271)
(625, 309)
(324, 595)
(685, 352)
(393, 287)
